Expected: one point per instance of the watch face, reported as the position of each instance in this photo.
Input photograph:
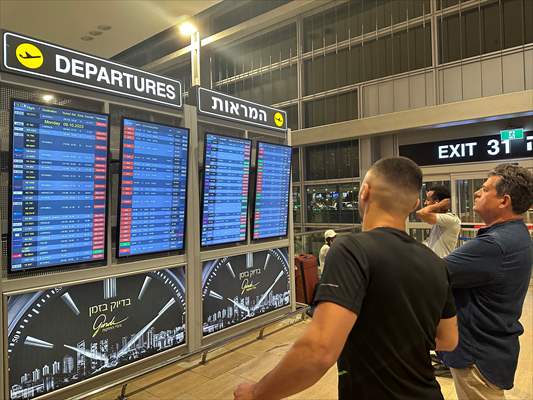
(64, 335)
(241, 287)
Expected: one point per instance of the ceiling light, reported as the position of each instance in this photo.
(48, 97)
(87, 38)
(187, 29)
(95, 33)
(104, 27)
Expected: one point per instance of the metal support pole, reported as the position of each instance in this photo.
(195, 58)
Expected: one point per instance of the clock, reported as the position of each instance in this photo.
(238, 288)
(64, 335)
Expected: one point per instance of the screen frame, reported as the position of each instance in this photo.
(202, 191)
(277, 237)
(144, 256)
(88, 264)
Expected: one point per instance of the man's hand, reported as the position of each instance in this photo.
(245, 391)
(308, 359)
(445, 203)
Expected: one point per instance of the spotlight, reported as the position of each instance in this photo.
(187, 29)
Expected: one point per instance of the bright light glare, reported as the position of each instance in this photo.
(48, 97)
(187, 29)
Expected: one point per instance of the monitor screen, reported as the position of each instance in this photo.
(272, 184)
(153, 188)
(225, 189)
(58, 187)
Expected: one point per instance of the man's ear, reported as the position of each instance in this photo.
(364, 192)
(506, 201)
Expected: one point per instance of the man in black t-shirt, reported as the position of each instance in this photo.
(383, 302)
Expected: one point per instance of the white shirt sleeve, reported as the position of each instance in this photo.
(447, 220)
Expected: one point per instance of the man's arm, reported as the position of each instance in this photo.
(429, 213)
(308, 359)
(447, 336)
(475, 263)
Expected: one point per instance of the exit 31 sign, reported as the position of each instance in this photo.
(481, 148)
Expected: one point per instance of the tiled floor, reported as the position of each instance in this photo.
(242, 361)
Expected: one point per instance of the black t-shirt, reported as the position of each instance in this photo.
(399, 290)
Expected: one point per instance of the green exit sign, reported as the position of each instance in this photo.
(510, 134)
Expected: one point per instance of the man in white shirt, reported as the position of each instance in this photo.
(446, 225)
(442, 238)
(329, 237)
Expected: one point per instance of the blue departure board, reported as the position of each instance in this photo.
(58, 187)
(225, 194)
(153, 188)
(272, 184)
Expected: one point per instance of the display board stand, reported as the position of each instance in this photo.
(192, 259)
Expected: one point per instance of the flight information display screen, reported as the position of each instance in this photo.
(153, 188)
(225, 189)
(58, 186)
(271, 211)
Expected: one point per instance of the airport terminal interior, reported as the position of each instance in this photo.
(169, 168)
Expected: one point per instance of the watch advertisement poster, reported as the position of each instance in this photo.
(64, 335)
(238, 288)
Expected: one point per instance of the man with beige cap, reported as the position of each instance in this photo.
(329, 237)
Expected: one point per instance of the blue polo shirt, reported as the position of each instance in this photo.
(490, 277)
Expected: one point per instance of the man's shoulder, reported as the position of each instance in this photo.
(508, 234)
(448, 218)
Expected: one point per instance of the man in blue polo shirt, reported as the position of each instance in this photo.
(490, 277)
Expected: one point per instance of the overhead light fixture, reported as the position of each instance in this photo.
(87, 38)
(95, 33)
(48, 97)
(187, 29)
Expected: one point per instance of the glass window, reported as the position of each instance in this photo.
(313, 27)
(513, 22)
(400, 52)
(295, 164)
(470, 40)
(336, 203)
(331, 109)
(465, 199)
(450, 45)
(343, 19)
(528, 12)
(292, 116)
(441, 4)
(491, 28)
(296, 205)
(322, 203)
(419, 47)
(349, 205)
(399, 11)
(332, 161)
(314, 75)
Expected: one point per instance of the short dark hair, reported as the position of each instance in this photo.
(440, 192)
(517, 182)
(400, 172)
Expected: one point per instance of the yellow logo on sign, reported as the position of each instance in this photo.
(29, 55)
(278, 119)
